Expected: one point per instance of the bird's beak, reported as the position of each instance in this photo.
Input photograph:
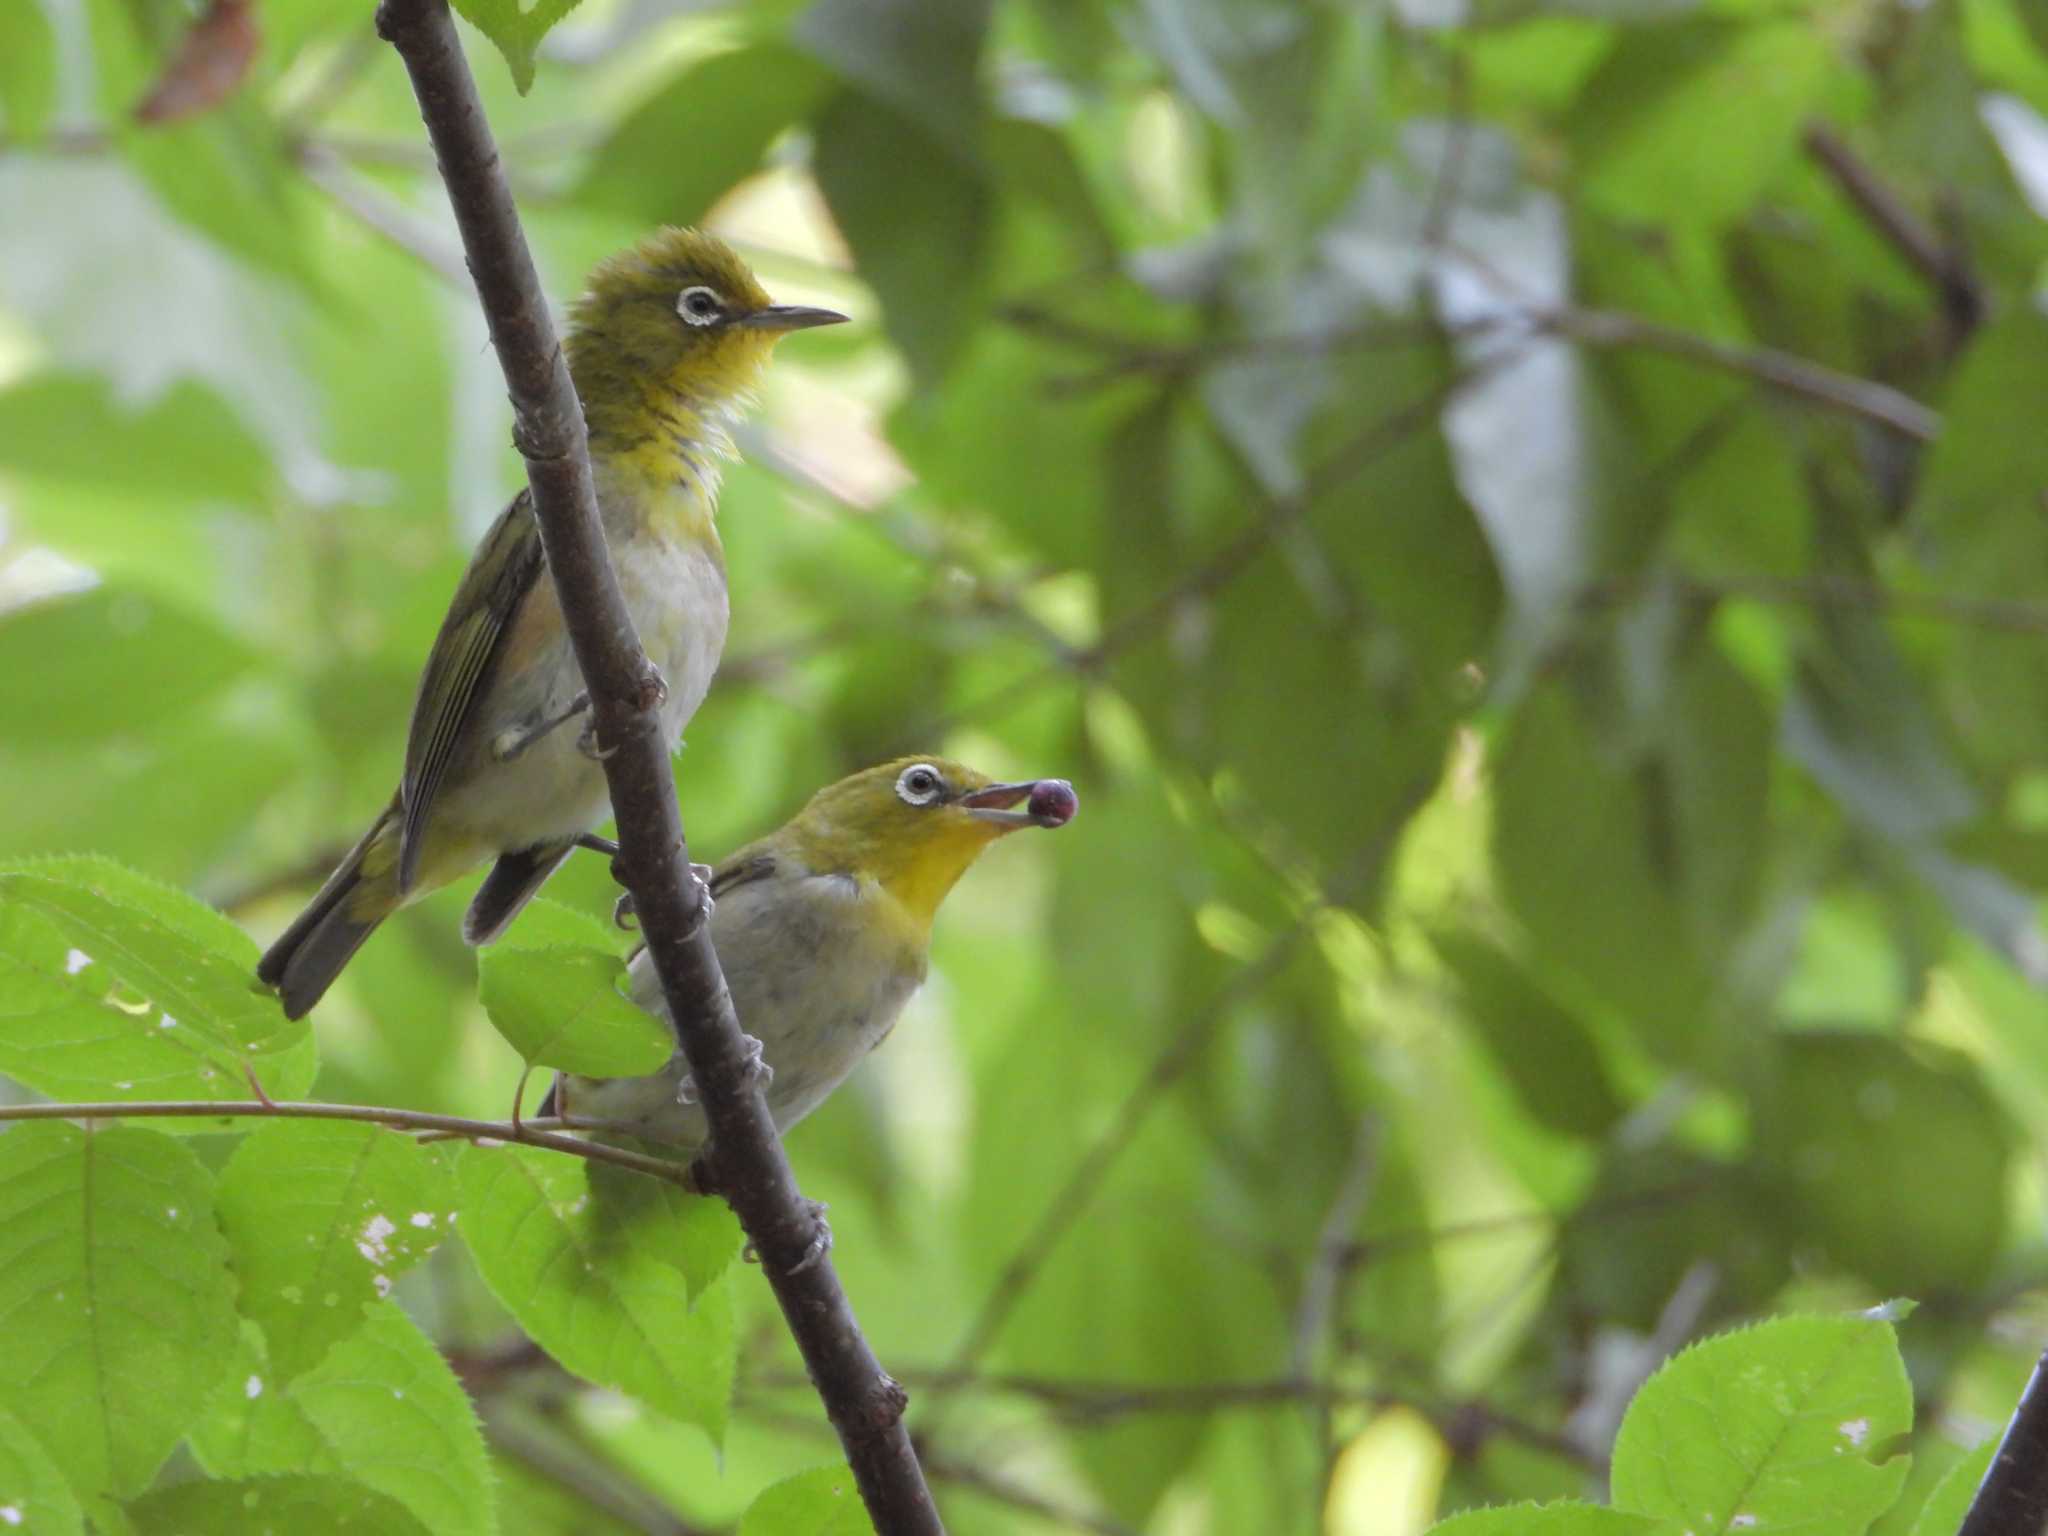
(790, 317)
(1047, 803)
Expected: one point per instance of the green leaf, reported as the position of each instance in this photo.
(1551, 1520)
(108, 664)
(922, 60)
(1910, 1213)
(1943, 1513)
(1599, 904)
(28, 71)
(269, 1506)
(121, 988)
(1744, 87)
(822, 1502)
(382, 1409)
(1545, 1051)
(516, 32)
(114, 1288)
(1773, 1427)
(728, 109)
(33, 1493)
(184, 447)
(882, 174)
(320, 1217)
(596, 1292)
(571, 1009)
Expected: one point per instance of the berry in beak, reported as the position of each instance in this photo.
(1047, 803)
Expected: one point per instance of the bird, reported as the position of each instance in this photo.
(823, 929)
(666, 347)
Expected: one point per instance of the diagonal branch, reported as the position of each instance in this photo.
(751, 1172)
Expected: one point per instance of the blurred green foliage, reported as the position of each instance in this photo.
(1522, 520)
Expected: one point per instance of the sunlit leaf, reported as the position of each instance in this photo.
(111, 1358)
(31, 1485)
(516, 31)
(596, 1294)
(383, 1409)
(121, 988)
(1786, 1424)
(820, 1503)
(305, 1506)
(320, 1218)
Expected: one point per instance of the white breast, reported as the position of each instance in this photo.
(816, 985)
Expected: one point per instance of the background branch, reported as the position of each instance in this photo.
(749, 1169)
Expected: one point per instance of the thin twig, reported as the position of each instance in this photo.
(381, 216)
(975, 1475)
(456, 1126)
(1327, 1269)
(1782, 371)
(1945, 268)
(1085, 1180)
(595, 1483)
(747, 1165)
(1211, 575)
(1100, 1402)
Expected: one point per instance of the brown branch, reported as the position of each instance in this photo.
(2013, 1498)
(525, 1134)
(1781, 371)
(1946, 269)
(1466, 1423)
(748, 1167)
(592, 1480)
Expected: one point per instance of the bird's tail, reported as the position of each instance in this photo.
(307, 956)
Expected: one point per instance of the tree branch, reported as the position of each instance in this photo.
(749, 1168)
(2013, 1498)
(527, 1133)
(1945, 268)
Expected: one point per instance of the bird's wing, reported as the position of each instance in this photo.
(500, 575)
(743, 868)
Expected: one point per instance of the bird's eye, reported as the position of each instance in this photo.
(700, 305)
(919, 785)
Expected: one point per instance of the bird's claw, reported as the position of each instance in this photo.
(821, 1240)
(623, 912)
(586, 743)
(754, 1065)
(819, 1245)
(758, 1071)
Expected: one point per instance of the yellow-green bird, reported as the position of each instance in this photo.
(823, 929)
(666, 347)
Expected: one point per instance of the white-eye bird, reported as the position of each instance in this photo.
(666, 347)
(823, 929)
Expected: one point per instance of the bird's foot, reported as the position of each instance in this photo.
(821, 1239)
(759, 1073)
(514, 740)
(819, 1245)
(686, 1090)
(623, 913)
(586, 743)
(653, 688)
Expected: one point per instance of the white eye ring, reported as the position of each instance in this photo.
(919, 784)
(699, 305)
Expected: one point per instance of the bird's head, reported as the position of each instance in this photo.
(914, 825)
(671, 335)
